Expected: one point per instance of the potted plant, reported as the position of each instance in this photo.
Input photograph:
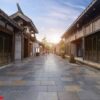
(72, 59)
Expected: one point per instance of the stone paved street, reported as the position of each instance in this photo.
(49, 77)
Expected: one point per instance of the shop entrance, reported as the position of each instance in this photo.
(25, 47)
(5, 48)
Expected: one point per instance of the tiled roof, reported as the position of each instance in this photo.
(6, 17)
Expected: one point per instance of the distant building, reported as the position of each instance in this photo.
(8, 31)
(37, 48)
(57, 48)
(82, 39)
(24, 40)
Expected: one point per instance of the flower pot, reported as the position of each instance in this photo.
(72, 59)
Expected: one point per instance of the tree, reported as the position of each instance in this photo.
(62, 47)
(46, 45)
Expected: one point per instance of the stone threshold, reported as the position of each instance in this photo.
(17, 63)
(90, 63)
(86, 62)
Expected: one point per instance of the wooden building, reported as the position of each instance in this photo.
(82, 39)
(8, 30)
(24, 40)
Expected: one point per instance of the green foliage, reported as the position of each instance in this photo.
(46, 44)
(62, 47)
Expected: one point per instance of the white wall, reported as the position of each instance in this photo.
(35, 46)
(17, 47)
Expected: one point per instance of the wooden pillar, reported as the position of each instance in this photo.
(83, 47)
(13, 47)
(97, 48)
(28, 47)
(22, 46)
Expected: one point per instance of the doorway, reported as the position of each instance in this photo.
(5, 48)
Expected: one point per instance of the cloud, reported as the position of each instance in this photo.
(51, 17)
(74, 6)
(60, 16)
(53, 35)
(55, 22)
(11, 1)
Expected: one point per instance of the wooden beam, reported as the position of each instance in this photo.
(6, 30)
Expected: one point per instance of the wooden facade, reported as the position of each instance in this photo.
(8, 29)
(27, 35)
(17, 34)
(83, 37)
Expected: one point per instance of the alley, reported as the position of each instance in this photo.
(49, 77)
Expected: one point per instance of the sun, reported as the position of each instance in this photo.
(53, 39)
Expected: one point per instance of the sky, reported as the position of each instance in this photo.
(51, 17)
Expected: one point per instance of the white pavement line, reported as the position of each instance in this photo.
(2, 67)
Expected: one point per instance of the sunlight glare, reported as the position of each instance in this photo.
(53, 39)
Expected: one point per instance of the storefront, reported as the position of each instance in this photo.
(5, 48)
(26, 37)
(8, 29)
(92, 47)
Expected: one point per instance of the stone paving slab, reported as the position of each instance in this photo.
(47, 82)
(55, 88)
(68, 96)
(72, 88)
(49, 78)
(47, 96)
(88, 95)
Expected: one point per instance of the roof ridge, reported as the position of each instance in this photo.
(19, 8)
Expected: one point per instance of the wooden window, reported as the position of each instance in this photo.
(96, 24)
(98, 47)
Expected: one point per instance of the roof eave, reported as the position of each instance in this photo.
(29, 21)
(81, 15)
(11, 21)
